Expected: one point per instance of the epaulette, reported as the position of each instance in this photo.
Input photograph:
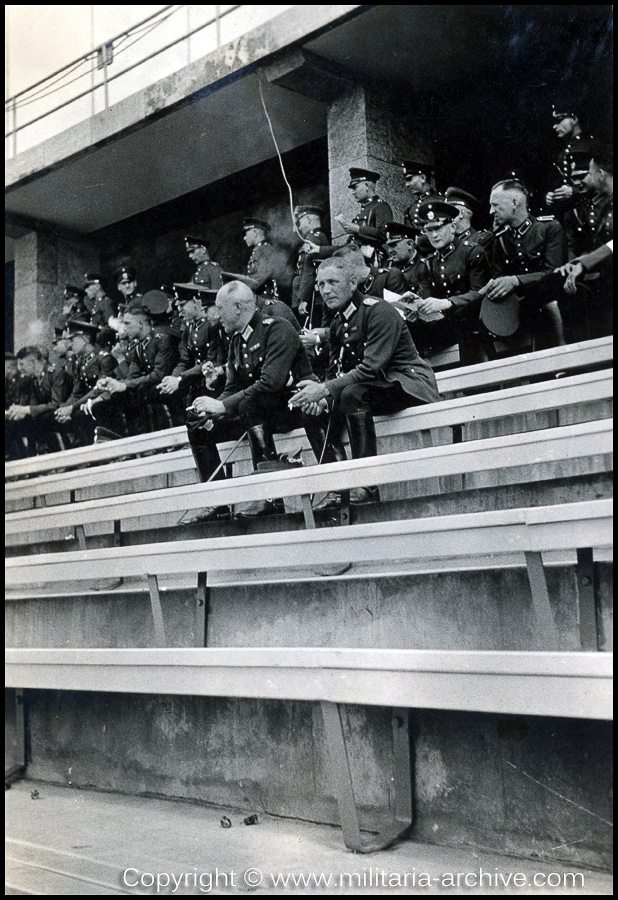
(371, 301)
(546, 218)
(267, 321)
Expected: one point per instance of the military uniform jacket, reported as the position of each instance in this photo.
(48, 391)
(602, 219)
(370, 342)
(411, 272)
(566, 161)
(378, 279)
(201, 342)
(88, 370)
(208, 274)
(535, 247)
(456, 273)
(150, 360)
(411, 213)
(99, 310)
(482, 238)
(578, 224)
(271, 307)
(303, 282)
(374, 214)
(262, 268)
(267, 357)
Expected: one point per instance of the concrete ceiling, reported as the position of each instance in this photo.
(406, 48)
(197, 144)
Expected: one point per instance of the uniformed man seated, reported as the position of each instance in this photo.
(402, 252)
(207, 272)
(270, 306)
(74, 306)
(450, 282)
(262, 263)
(524, 250)
(151, 356)
(203, 349)
(468, 206)
(92, 363)
(375, 370)
(265, 362)
(31, 417)
(367, 226)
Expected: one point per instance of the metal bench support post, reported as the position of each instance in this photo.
(401, 811)
(157, 613)
(202, 603)
(586, 601)
(540, 601)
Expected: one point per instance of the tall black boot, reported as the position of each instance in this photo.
(265, 459)
(325, 450)
(363, 443)
(206, 459)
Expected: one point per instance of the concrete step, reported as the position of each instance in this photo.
(82, 842)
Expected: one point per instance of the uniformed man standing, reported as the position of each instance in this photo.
(262, 264)
(468, 205)
(524, 250)
(126, 282)
(151, 356)
(401, 248)
(367, 227)
(32, 417)
(99, 307)
(265, 362)
(208, 272)
(74, 306)
(309, 223)
(203, 351)
(419, 179)
(590, 278)
(449, 284)
(568, 130)
(91, 364)
(375, 368)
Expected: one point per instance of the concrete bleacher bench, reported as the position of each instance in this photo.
(572, 685)
(554, 444)
(485, 376)
(581, 527)
(572, 391)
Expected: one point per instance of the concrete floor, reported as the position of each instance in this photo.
(64, 841)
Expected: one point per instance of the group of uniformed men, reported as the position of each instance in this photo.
(224, 354)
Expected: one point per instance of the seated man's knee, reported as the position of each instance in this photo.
(352, 399)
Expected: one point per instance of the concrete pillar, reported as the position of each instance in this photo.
(43, 264)
(363, 132)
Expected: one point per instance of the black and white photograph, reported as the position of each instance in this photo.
(308, 449)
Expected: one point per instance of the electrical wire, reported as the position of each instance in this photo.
(285, 178)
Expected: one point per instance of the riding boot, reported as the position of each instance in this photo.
(265, 458)
(363, 443)
(325, 450)
(206, 460)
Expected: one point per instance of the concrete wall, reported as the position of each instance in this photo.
(526, 786)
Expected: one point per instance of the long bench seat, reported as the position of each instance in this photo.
(482, 377)
(554, 444)
(580, 526)
(573, 685)
(573, 391)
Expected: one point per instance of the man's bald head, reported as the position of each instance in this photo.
(236, 304)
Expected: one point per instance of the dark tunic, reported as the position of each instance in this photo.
(370, 343)
(266, 358)
(150, 360)
(208, 273)
(262, 267)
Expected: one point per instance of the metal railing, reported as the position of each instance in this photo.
(100, 59)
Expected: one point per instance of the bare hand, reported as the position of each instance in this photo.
(431, 308)
(497, 289)
(16, 413)
(169, 385)
(208, 406)
(349, 227)
(576, 270)
(564, 192)
(63, 414)
(111, 384)
(310, 392)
